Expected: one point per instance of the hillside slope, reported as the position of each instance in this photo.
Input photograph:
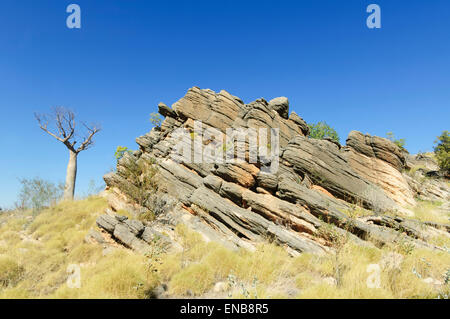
(275, 215)
(36, 253)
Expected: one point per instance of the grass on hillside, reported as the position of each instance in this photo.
(35, 253)
(271, 273)
(426, 211)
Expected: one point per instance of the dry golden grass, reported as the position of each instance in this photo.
(441, 240)
(430, 212)
(202, 265)
(37, 258)
(355, 211)
(10, 272)
(35, 255)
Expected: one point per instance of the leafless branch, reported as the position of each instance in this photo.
(43, 124)
(64, 121)
(94, 129)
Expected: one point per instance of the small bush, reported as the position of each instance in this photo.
(120, 152)
(399, 142)
(322, 130)
(442, 151)
(142, 177)
(155, 119)
(37, 193)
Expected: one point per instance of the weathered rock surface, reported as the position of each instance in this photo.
(421, 161)
(130, 232)
(326, 166)
(380, 161)
(377, 147)
(281, 106)
(240, 203)
(428, 188)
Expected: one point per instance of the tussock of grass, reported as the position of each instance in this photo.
(121, 275)
(395, 282)
(441, 240)
(10, 272)
(202, 265)
(37, 259)
(429, 212)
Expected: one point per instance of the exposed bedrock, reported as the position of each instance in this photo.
(240, 203)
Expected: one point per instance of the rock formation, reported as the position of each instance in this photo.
(240, 203)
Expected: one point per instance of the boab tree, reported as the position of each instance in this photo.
(64, 122)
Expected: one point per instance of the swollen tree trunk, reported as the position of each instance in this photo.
(71, 175)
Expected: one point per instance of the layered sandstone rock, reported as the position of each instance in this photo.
(381, 162)
(240, 203)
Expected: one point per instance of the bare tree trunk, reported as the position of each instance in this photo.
(65, 124)
(69, 189)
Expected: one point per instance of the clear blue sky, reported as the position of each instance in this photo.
(130, 55)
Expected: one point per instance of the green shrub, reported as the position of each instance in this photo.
(120, 152)
(37, 193)
(155, 119)
(399, 142)
(442, 151)
(141, 175)
(322, 130)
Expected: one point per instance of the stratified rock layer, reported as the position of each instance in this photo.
(241, 203)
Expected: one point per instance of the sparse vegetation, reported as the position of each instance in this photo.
(322, 130)
(120, 152)
(442, 151)
(93, 189)
(155, 119)
(37, 193)
(34, 258)
(427, 211)
(399, 142)
(355, 211)
(10, 272)
(416, 168)
(142, 177)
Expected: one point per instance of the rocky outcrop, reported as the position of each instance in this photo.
(376, 147)
(295, 203)
(281, 106)
(131, 233)
(426, 187)
(326, 166)
(421, 161)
